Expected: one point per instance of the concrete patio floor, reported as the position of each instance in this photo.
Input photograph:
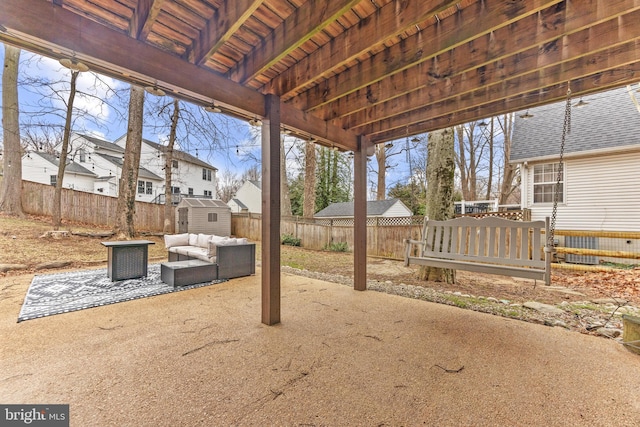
(339, 357)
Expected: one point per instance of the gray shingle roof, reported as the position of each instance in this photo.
(72, 167)
(374, 208)
(142, 172)
(610, 120)
(203, 203)
(180, 155)
(240, 204)
(102, 143)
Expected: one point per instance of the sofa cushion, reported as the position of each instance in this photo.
(171, 240)
(228, 242)
(203, 240)
(193, 239)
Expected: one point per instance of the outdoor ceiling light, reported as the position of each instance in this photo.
(212, 108)
(155, 90)
(255, 122)
(74, 65)
(388, 145)
(580, 103)
(415, 139)
(526, 115)
(483, 124)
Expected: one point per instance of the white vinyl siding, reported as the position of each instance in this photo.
(602, 193)
(398, 209)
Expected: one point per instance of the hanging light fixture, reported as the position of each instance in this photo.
(255, 122)
(483, 124)
(415, 139)
(388, 145)
(580, 103)
(213, 108)
(155, 90)
(74, 65)
(526, 115)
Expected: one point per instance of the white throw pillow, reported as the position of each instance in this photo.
(193, 239)
(203, 240)
(171, 240)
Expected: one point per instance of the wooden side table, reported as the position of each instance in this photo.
(127, 259)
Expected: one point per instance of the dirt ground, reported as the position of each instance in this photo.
(21, 243)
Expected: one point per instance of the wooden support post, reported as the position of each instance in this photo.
(271, 212)
(360, 217)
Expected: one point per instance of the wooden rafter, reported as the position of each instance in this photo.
(305, 22)
(464, 26)
(389, 21)
(219, 29)
(144, 16)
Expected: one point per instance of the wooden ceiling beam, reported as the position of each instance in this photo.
(144, 16)
(550, 25)
(592, 43)
(388, 21)
(305, 22)
(601, 81)
(454, 31)
(231, 15)
(56, 32)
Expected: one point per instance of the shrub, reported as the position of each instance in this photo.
(337, 247)
(290, 240)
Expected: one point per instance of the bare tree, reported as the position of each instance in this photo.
(440, 178)
(310, 164)
(11, 189)
(285, 200)
(62, 163)
(169, 212)
(510, 173)
(470, 159)
(228, 184)
(124, 224)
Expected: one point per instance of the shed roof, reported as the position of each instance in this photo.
(196, 202)
(374, 208)
(609, 120)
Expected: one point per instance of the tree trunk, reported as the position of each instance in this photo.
(509, 174)
(381, 157)
(11, 189)
(124, 225)
(57, 195)
(310, 162)
(440, 186)
(285, 199)
(490, 178)
(169, 212)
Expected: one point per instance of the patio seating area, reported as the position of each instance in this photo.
(339, 357)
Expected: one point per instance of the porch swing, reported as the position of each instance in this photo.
(492, 245)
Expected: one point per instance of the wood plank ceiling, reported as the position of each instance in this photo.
(381, 69)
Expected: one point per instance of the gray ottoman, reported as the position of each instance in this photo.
(182, 273)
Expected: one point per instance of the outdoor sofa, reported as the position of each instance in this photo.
(233, 257)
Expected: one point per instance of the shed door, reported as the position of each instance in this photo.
(183, 221)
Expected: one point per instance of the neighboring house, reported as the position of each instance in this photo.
(375, 208)
(190, 177)
(95, 165)
(600, 186)
(248, 198)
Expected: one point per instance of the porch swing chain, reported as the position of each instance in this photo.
(566, 128)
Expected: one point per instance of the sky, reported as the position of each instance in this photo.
(236, 152)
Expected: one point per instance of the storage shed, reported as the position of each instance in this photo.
(194, 215)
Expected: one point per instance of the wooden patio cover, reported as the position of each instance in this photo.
(345, 73)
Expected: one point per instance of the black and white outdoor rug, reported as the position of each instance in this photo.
(58, 293)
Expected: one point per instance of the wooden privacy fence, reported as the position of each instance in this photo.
(90, 208)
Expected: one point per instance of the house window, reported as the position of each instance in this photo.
(149, 187)
(206, 174)
(545, 177)
(54, 179)
(212, 217)
(191, 191)
(175, 190)
(174, 164)
(82, 155)
(140, 187)
(207, 193)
